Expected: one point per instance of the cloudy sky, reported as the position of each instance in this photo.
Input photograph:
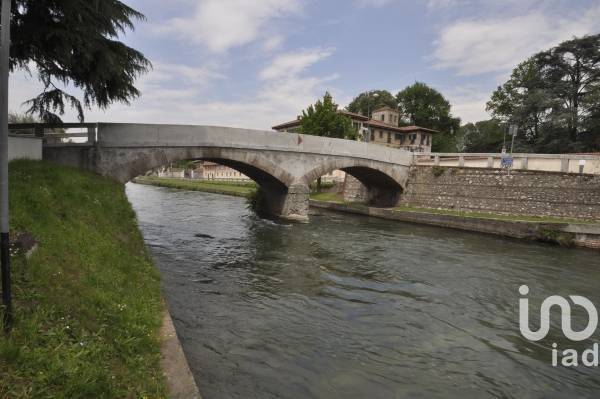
(256, 63)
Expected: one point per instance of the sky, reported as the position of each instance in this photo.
(258, 63)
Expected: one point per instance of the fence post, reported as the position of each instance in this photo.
(436, 161)
(461, 161)
(91, 134)
(38, 131)
(524, 163)
(564, 165)
(490, 162)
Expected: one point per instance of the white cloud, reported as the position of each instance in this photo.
(430, 4)
(468, 103)
(221, 25)
(273, 43)
(165, 84)
(293, 63)
(497, 44)
(178, 94)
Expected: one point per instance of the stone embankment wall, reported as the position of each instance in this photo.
(531, 193)
(353, 190)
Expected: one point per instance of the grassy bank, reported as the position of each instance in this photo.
(87, 304)
(237, 188)
(496, 216)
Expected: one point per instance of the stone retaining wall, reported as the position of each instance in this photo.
(532, 193)
(565, 234)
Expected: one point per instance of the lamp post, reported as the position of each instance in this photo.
(4, 239)
(368, 138)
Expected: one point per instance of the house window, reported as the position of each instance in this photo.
(380, 134)
(383, 117)
(428, 139)
(413, 138)
(400, 138)
(372, 136)
(389, 138)
(423, 138)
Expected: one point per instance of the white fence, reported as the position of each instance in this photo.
(566, 163)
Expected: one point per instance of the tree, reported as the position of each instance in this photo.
(482, 136)
(323, 119)
(365, 103)
(426, 107)
(554, 97)
(75, 43)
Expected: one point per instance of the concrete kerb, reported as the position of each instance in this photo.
(178, 376)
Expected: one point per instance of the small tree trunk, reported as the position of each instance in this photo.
(319, 185)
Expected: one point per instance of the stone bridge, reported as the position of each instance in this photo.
(282, 164)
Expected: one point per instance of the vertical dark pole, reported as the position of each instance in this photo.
(4, 239)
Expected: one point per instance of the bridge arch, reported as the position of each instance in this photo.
(282, 196)
(384, 183)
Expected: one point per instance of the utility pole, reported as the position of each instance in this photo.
(4, 239)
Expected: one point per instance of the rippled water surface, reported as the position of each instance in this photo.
(354, 307)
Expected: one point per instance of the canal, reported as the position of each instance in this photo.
(354, 307)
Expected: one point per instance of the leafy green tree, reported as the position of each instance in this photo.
(21, 118)
(323, 119)
(424, 106)
(365, 103)
(482, 136)
(75, 43)
(554, 98)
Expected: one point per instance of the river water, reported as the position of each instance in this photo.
(355, 307)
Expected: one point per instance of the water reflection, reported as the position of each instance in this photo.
(355, 307)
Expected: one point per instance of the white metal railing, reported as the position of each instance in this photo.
(57, 133)
(566, 163)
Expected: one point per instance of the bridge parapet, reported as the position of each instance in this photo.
(141, 135)
(566, 163)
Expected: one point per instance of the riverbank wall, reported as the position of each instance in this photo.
(87, 303)
(566, 234)
(518, 192)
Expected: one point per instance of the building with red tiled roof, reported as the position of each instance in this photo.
(384, 128)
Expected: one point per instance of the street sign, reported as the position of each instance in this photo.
(506, 162)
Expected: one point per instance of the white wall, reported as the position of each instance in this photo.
(24, 147)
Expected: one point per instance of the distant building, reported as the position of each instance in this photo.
(384, 128)
(215, 171)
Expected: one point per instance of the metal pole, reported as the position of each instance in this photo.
(4, 245)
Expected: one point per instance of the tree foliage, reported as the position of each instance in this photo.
(365, 103)
(74, 43)
(323, 119)
(482, 136)
(424, 106)
(554, 98)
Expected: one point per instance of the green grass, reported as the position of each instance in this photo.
(237, 188)
(328, 197)
(482, 215)
(87, 304)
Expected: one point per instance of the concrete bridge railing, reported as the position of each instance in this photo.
(566, 163)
